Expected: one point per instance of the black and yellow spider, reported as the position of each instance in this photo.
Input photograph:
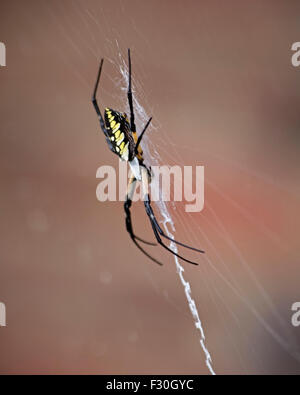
(120, 134)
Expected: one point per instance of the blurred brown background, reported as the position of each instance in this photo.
(218, 79)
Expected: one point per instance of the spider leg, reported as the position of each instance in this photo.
(94, 99)
(129, 96)
(141, 135)
(154, 223)
(129, 228)
(132, 235)
(97, 109)
(161, 232)
(128, 201)
(127, 205)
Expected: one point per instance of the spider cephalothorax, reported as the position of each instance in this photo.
(120, 134)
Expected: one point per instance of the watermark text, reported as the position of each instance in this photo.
(2, 314)
(296, 315)
(2, 55)
(168, 183)
(295, 59)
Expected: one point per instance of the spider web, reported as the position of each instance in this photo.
(217, 278)
(152, 156)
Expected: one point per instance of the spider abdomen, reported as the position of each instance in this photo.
(119, 133)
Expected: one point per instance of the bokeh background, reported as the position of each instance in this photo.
(217, 78)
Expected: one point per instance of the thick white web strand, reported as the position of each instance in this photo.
(187, 287)
(152, 156)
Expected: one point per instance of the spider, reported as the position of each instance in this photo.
(122, 139)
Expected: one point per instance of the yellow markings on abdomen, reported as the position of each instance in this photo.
(122, 147)
(116, 128)
(120, 139)
(117, 133)
(124, 151)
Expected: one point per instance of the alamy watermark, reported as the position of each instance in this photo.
(2, 314)
(296, 315)
(295, 59)
(188, 185)
(2, 55)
